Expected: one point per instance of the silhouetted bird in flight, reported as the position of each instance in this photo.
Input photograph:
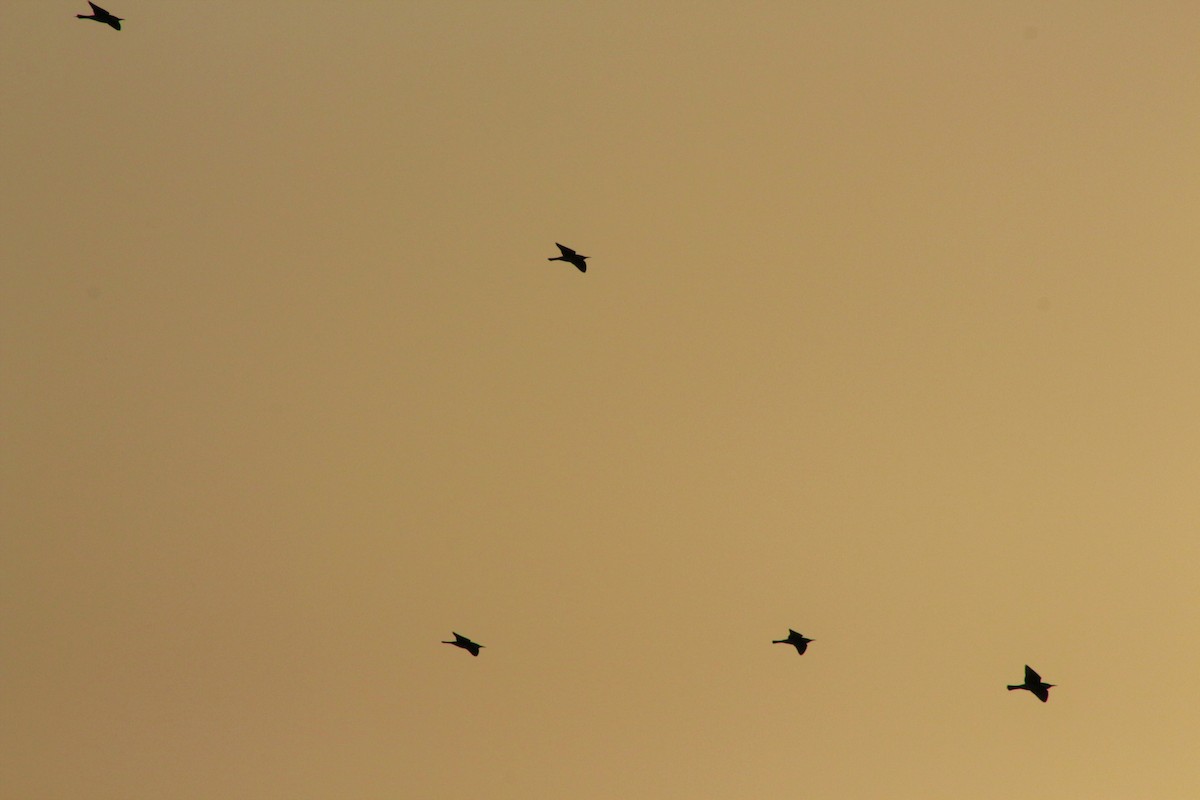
(795, 640)
(100, 15)
(571, 257)
(465, 644)
(1034, 683)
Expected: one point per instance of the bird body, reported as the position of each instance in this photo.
(797, 640)
(1034, 683)
(100, 15)
(465, 644)
(571, 257)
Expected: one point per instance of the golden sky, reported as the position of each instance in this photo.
(889, 335)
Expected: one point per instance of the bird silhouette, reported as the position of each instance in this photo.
(571, 257)
(465, 644)
(100, 15)
(796, 640)
(1034, 683)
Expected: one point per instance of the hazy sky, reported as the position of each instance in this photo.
(890, 334)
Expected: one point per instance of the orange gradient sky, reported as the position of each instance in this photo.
(890, 335)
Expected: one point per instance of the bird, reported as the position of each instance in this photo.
(100, 15)
(1034, 683)
(797, 640)
(571, 257)
(465, 644)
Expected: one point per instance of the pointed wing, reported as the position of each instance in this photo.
(97, 9)
(581, 264)
(1031, 677)
(1041, 692)
(567, 252)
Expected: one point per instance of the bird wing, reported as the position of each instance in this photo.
(801, 647)
(580, 265)
(1031, 676)
(566, 251)
(97, 9)
(1041, 693)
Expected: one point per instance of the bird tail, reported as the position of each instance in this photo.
(1015, 687)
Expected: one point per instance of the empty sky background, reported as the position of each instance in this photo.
(890, 335)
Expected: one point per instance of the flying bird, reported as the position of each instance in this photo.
(795, 640)
(465, 644)
(571, 257)
(1034, 683)
(100, 15)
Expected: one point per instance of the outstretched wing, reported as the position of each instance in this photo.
(97, 9)
(566, 251)
(1031, 677)
(1041, 692)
